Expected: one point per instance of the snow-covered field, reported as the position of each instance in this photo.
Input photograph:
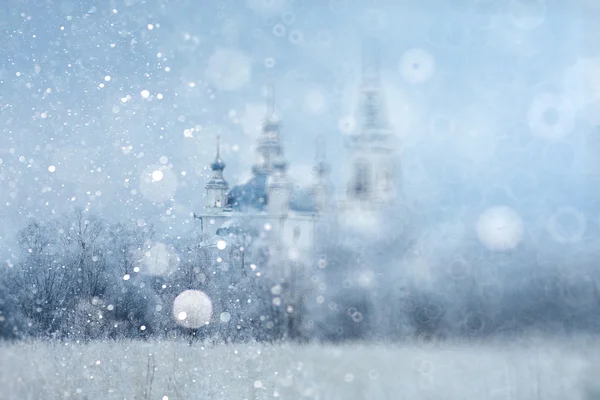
(529, 370)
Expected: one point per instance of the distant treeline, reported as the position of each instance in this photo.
(79, 278)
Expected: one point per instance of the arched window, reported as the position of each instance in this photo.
(384, 179)
(361, 179)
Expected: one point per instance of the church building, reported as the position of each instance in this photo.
(291, 217)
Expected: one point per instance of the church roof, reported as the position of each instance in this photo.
(217, 183)
(234, 226)
(252, 195)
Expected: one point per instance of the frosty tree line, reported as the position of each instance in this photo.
(393, 272)
(80, 278)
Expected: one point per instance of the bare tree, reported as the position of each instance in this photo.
(81, 238)
(40, 281)
(126, 243)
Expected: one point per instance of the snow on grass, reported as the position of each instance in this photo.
(172, 370)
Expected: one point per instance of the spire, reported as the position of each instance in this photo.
(321, 187)
(371, 149)
(320, 148)
(271, 122)
(279, 187)
(374, 117)
(218, 164)
(270, 96)
(371, 62)
(218, 145)
(268, 145)
(216, 187)
(321, 167)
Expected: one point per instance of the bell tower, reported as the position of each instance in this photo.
(279, 188)
(370, 175)
(216, 187)
(268, 146)
(321, 188)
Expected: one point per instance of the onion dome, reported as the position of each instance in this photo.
(218, 164)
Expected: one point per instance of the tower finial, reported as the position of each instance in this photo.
(218, 164)
(321, 167)
(370, 60)
(271, 121)
(270, 99)
(218, 146)
(373, 114)
(320, 147)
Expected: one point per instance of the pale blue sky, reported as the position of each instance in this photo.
(73, 76)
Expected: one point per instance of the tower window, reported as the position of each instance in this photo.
(361, 179)
(385, 179)
(297, 233)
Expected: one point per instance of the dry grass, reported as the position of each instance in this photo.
(536, 369)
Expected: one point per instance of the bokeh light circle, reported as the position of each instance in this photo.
(527, 14)
(228, 69)
(458, 269)
(160, 190)
(279, 30)
(567, 225)
(192, 309)
(225, 317)
(375, 20)
(417, 66)
(347, 124)
(551, 116)
(474, 323)
(266, 8)
(315, 101)
(338, 6)
(500, 228)
(158, 259)
(296, 37)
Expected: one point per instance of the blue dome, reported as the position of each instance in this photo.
(217, 165)
(279, 163)
(253, 195)
(271, 124)
(321, 168)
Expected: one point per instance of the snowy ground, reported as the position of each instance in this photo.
(536, 369)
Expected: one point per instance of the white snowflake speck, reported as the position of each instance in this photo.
(157, 176)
